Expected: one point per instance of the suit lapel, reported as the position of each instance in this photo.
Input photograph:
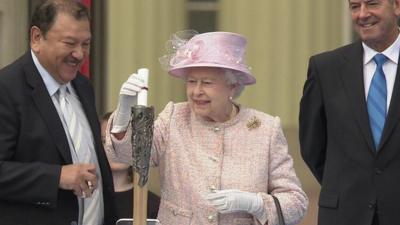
(47, 109)
(352, 76)
(393, 116)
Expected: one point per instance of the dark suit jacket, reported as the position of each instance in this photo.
(34, 146)
(336, 142)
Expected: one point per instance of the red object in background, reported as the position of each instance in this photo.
(85, 69)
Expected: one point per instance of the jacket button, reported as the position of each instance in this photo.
(378, 171)
(371, 205)
(213, 158)
(211, 218)
(213, 188)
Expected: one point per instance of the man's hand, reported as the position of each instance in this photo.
(127, 99)
(81, 178)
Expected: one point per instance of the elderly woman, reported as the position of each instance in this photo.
(219, 162)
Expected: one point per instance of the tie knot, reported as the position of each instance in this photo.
(63, 90)
(380, 59)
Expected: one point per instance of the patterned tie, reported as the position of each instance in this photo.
(376, 100)
(71, 120)
(89, 207)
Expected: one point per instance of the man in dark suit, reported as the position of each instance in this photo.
(48, 177)
(349, 121)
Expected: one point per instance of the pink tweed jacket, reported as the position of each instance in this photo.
(194, 156)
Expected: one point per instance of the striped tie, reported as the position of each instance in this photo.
(71, 120)
(376, 100)
(89, 207)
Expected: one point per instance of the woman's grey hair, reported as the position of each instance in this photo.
(235, 78)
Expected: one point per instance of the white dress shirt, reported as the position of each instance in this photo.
(389, 68)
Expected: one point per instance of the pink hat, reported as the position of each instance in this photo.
(213, 49)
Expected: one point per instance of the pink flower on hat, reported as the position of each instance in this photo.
(189, 53)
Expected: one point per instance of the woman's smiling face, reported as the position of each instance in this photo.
(208, 93)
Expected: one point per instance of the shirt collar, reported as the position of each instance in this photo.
(392, 52)
(51, 84)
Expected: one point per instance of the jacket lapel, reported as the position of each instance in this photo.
(352, 76)
(47, 109)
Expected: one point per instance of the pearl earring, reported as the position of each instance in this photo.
(230, 98)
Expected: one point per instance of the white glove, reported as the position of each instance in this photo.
(127, 99)
(231, 201)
